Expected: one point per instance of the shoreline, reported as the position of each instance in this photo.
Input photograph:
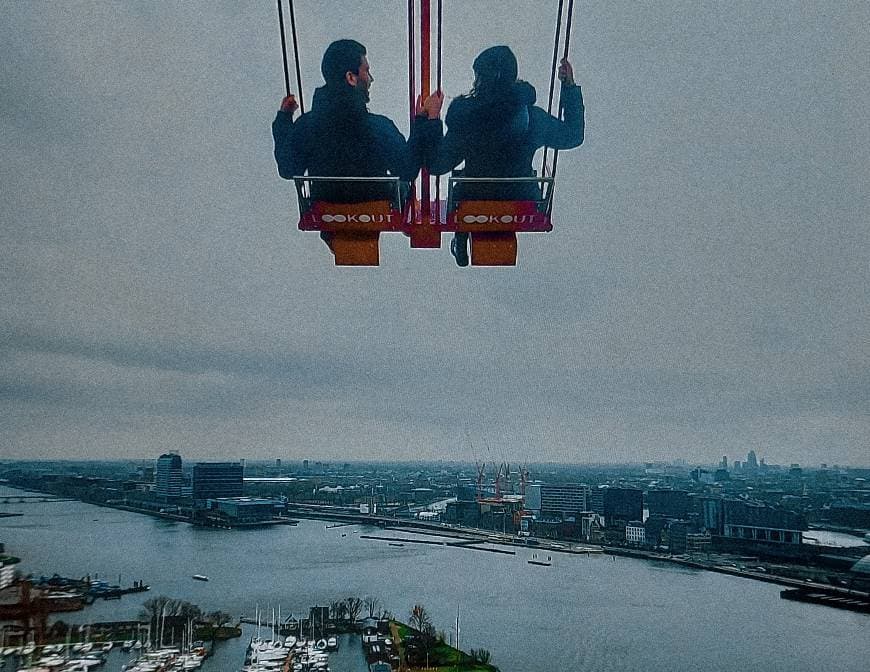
(476, 536)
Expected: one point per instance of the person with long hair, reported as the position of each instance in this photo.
(496, 129)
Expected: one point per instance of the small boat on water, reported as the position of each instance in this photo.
(320, 645)
(200, 577)
(332, 643)
(542, 563)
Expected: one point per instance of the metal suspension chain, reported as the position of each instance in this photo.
(296, 56)
(564, 55)
(284, 50)
(553, 74)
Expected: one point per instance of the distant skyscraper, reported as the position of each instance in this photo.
(751, 461)
(168, 478)
(217, 479)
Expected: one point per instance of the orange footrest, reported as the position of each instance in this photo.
(355, 248)
(494, 249)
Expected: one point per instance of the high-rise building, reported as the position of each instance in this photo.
(218, 479)
(560, 501)
(751, 461)
(596, 499)
(622, 505)
(168, 478)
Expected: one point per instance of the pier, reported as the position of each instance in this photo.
(860, 603)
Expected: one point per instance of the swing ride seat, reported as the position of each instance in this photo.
(353, 228)
(493, 225)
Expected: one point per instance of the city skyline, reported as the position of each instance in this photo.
(701, 294)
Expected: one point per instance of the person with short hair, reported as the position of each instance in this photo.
(496, 129)
(339, 137)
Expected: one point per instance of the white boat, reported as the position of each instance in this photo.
(332, 643)
(127, 645)
(137, 644)
(29, 648)
(108, 646)
(320, 645)
(82, 664)
(200, 577)
(51, 661)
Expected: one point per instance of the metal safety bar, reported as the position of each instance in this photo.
(303, 188)
(545, 185)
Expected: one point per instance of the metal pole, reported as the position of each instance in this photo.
(438, 88)
(425, 28)
(412, 84)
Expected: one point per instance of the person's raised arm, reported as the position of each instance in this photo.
(442, 152)
(288, 155)
(569, 132)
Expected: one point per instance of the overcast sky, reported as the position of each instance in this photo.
(704, 291)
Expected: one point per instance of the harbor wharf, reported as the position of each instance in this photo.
(851, 602)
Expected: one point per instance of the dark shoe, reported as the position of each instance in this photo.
(459, 248)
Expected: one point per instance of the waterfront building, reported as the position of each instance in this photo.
(591, 526)
(557, 501)
(596, 499)
(635, 533)
(711, 512)
(240, 510)
(678, 532)
(758, 522)
(654, 526)
(463, 512)
(213, 480)
(622, 505)
(168, 477)
(7, 569)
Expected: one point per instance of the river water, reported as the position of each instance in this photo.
(581, 613)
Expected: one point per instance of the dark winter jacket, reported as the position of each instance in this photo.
(500, 138)
(340, 137)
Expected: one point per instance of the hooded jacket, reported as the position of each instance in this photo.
(339, 137)
(499, 138)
